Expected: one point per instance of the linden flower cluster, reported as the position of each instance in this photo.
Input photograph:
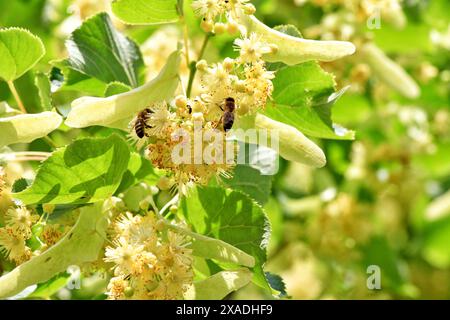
(219, 16)
(177, 152)
(148, 261)
(173, 131)
(245, 79)
(17, 231)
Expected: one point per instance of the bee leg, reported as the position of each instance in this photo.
(218, 122)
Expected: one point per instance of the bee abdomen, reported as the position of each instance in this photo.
(228, 121)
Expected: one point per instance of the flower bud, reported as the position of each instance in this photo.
(48, 208)
(207, 26)
(202, 65)
(154, 190)
(181, 102)
(232, 27)
(160, 225)
(173, 209)
(219, 28)
(144, 204)
(164, 183)
(128, 292)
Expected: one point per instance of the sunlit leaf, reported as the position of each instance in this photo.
(20, 50)
(231, 217)
(145, 11)
(98, 50)
(86, 171)
(303, 98)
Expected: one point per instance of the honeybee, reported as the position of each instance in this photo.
(228, 116)
(141, 122)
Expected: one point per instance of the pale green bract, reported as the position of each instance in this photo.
(293, 50)
(390, 72)
(20, 50)
(293, 145)
(146, 12)
(219, 285)
(118, 110)
(210, 248)
(24, 128)
(82, 244)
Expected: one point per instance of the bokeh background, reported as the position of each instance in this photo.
(382, 200)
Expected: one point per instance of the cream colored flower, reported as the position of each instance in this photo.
(124, 256)
(251, 49)
(12, 243)
(20, 219)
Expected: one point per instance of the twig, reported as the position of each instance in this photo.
(12, 87)
(193, 67)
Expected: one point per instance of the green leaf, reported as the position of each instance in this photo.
(436, 249)
(117, 111)
(21, 184)
(20, 50)
(232, 217)
(250, 181)
(277, 284)
(43, 85)
(145, 11)
(139, 169)
(51, 287)
(289, 29)
(219, 285)
(116, 87)
(24, 128)
(82, 244)
(379, 252)
(86, 171)
(69, 79)
(303, 97)
(100, 51)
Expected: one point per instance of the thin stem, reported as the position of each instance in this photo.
(12, 87)
(155, 207)
(192, 66)
(186, 41)
(169, 204)
(203, 48)
(25, 154)
(50, 142)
